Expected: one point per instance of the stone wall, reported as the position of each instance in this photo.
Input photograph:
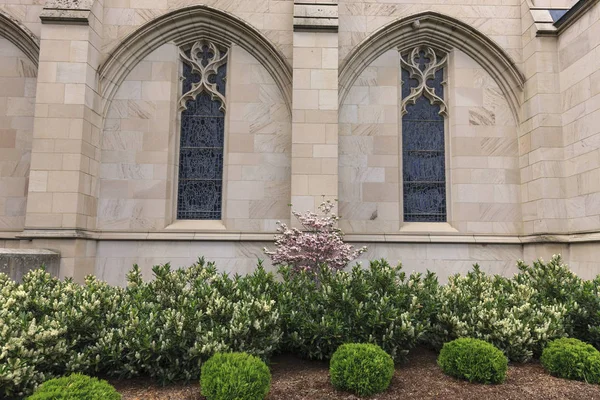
(115, 258)
(272, 17)
(481, 145)
(141, 139)
(26, 12)
(17, 101)
(99, 117)
(498, 19)
(579, 78)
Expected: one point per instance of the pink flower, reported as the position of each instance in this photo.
(319, 242)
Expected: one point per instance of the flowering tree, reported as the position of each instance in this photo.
(319, 242)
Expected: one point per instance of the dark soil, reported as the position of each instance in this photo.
(420, 378)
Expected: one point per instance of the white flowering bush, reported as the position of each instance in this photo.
(555, 283)
(324, 309)
(501, 311)
(173, 323)
(164, 328)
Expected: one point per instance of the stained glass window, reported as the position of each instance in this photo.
(200, 186)
(423, 148)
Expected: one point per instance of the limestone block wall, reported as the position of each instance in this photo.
(141, 141)
(482, 157)
(498, 19)
(369, 171)
(26, 12)
(272, 17)
(135, 170)
(485, 194)
(115, 258)
(101, 174)
(17, 102)
(579, 77)
(540, 134)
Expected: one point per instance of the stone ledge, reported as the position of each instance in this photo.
(61, 16)
(236, 236)
(316, 16)
(75, 12)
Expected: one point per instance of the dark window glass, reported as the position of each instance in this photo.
(423, 158)
(200, 186)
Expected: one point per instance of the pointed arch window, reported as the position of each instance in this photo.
(423, 143)
(202, 107)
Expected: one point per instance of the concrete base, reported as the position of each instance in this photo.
(17, 262)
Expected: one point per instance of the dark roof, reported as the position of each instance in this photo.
(557, 14)
(578, 8)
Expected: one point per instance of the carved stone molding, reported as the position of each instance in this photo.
(316, 16)
(185, 26)
(20, 36)
(194, 60)
(236, 236)
(66, 12)
(409, 61)
(442, 33)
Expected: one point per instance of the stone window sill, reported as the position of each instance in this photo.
(196, 225)
(429, 227)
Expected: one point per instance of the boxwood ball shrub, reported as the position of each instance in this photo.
(474, 360)
(361, 368)
(237, 376)
(571, 358)
(75, 387)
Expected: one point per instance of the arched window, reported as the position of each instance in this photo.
(423, 145)
(202, 106)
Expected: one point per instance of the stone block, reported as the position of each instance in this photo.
(17, 262)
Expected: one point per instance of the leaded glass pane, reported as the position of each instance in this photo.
(423, 149)
(424, 202)
(200, 185)
(199, 199)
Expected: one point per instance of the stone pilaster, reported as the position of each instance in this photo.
(315, 105)
(66, 135)
(541, 147)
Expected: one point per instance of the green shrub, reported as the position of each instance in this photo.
(500, 311)
(75, 387)
(474, 360)
(239, 376)
(321, 311)
(571, 358)
(555, 283)
(361, 368)
(164, 328)
(173, 323)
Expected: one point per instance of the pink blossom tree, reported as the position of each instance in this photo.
(318, 242)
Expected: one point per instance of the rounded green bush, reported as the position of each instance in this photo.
(474, 360)
(75, 387)
(572, 359)
(364, 369)
(237, 376)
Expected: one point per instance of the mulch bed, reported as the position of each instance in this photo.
(420, 378)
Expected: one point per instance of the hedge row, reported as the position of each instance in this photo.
(167, 327)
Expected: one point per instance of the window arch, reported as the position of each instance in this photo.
(202, 136)
(423, 135)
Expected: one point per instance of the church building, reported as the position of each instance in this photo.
(450, 132)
